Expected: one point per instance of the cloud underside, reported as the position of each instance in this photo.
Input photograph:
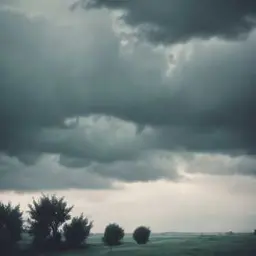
(109, 108)
(175, 21)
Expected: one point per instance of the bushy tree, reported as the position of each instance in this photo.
(77, 231)
(10, 225)
(141, 235)
(45, 219)
(113, 235)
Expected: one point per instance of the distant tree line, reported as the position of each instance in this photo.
(51, 227)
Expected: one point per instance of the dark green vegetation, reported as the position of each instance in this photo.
(45, 219)
(77, 231)
(141, 235)
(51, 231)
(47, 227)
(10, 226)
(113, 235)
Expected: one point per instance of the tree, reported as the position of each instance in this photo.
(77, 231)
(254, 232)
(10, 225)
(113, 235)
(141, 235)
(46, 217)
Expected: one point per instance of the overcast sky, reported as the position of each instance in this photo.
(138, 112)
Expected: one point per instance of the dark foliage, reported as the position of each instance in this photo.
(141, 235)
(45, 219)
(77, 231)
(10, 226)
(113, 235)
(254, 232)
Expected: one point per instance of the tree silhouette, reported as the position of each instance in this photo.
(254, 232)
(46, 217)
(141, 235)
(77, 231)
(113, 235)
(10, 225)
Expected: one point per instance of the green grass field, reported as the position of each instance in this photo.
(176, 245)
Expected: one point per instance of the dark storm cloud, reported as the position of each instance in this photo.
(25, 99)
(50, 74)
(42, 86)
(174, 21)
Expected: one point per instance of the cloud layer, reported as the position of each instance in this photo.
(174, 21)
(74, 86)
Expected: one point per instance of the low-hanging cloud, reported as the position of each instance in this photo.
(221, 165)
(47, 175)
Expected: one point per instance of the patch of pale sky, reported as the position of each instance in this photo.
(201, 204)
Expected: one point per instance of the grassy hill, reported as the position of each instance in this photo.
(175, 245)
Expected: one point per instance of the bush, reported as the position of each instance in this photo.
(113, 235)
(77, 231)
(141, 235)
(10, 225)
(45, 219)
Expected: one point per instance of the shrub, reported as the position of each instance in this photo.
(10, 225)
(77, 231)
(113, 235)
(45, 219)
(141, 235)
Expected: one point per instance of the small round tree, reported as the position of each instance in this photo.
(113, 235)
(77, 231)
(10, 225)
(45, 219)
(141, 235)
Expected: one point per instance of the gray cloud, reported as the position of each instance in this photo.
(51, 74)
(174, 21)
(221, 165)
(79, 173)
(47, 175)
(88, 143)
(150, 167)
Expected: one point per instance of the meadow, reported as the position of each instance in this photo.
(176, 244)
(76, 238)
